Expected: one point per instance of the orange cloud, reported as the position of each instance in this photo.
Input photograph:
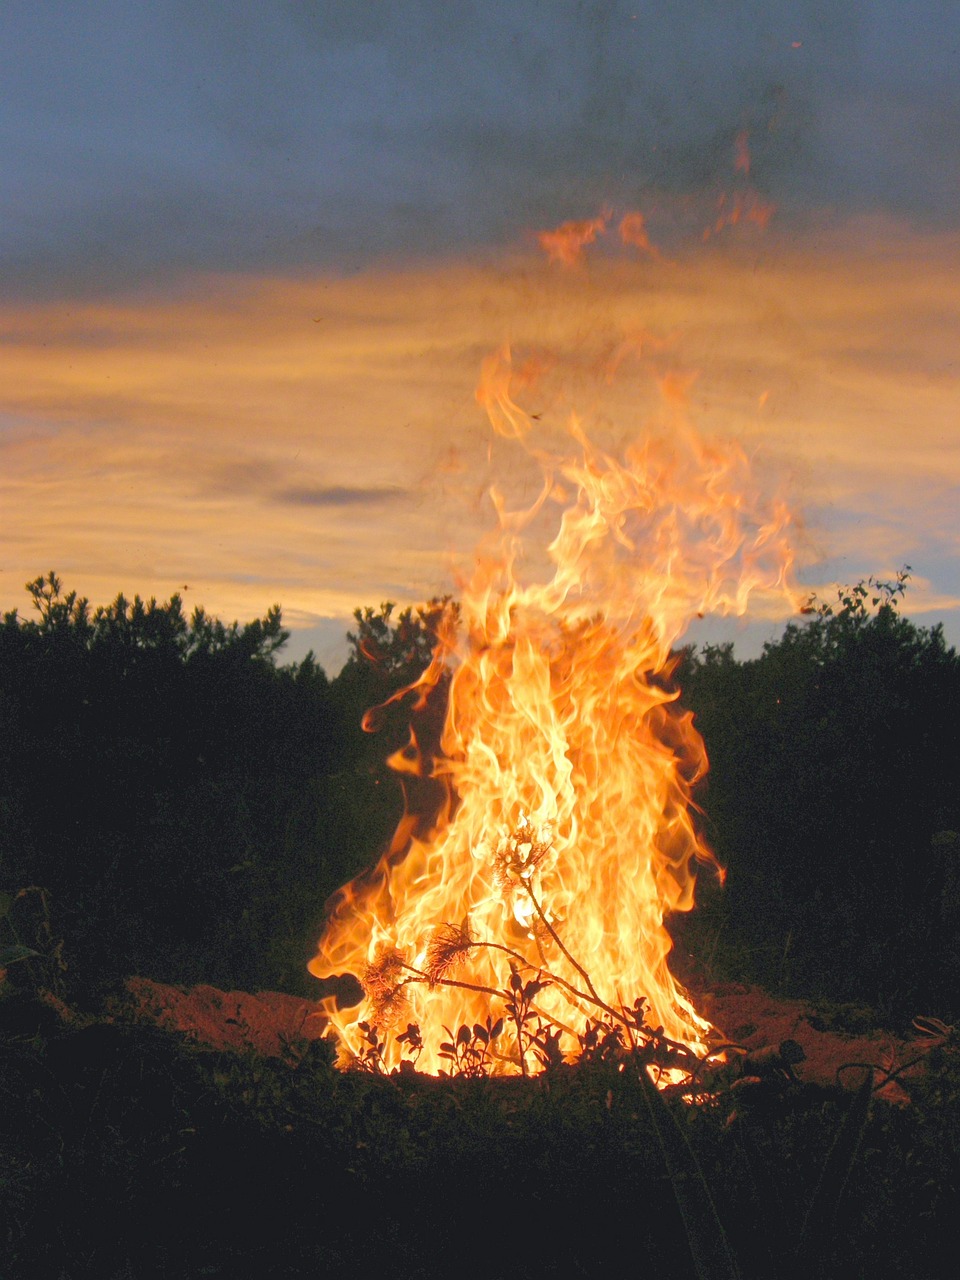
(317, 442)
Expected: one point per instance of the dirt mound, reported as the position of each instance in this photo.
(233, 1020)
(831, 1037)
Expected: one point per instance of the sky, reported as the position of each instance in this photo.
(253, 255)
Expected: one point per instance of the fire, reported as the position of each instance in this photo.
(565, 244)
(569, 834)
(745, 205)
(742, 206)
(633, 231)
(741, 147)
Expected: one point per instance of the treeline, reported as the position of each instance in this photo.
(833, 799)
(176, 802)
(173, 801)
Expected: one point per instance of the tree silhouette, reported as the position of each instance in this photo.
(832, 780)
(188, 805)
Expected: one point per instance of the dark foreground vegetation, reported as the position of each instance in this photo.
(834, 801)
(174, 802)
(130, 1154)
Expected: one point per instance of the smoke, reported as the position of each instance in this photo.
(141, 142)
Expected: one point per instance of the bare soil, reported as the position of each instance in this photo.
(834, 1039)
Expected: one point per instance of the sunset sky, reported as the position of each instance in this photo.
(254, 254)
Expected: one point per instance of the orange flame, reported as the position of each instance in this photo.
(743, 206)
(633, 231)
(741, 147)
(568, 831)
(565, 244)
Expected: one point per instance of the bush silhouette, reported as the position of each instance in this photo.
(832, 781)
(188, 804)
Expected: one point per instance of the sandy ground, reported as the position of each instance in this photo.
(833, 1041)
(236, 1020)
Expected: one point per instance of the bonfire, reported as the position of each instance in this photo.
(525, 919)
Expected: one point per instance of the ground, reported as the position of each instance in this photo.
(831, 1037)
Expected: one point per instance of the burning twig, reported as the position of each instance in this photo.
(449, 945)
(559, 941)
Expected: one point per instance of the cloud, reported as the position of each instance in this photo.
(317, 441)
(336, 496)
(142, 142)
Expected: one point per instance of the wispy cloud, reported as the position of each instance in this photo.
(335, 496)
(316, 441)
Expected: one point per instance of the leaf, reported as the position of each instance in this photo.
(516, 982)
(496, 1029)
(10, 954)
(463, 1035)
(411, 1036)
(481, 1033)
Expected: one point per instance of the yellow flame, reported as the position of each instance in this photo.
(569, 833)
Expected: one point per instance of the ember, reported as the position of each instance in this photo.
(569, 834)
